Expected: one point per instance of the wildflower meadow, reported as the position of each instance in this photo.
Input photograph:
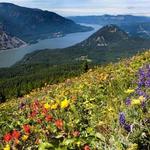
(107, 108)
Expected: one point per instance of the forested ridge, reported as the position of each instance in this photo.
(20, 80)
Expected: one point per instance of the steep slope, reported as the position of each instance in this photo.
(108, 44)
(106, 36)
(32, 24)
(8, 42)
(105, 108)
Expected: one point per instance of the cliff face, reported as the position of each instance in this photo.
(8, 42)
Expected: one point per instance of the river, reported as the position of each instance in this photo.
(11, 56)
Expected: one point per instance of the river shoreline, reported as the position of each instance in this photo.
(4, 50)
(11, 56)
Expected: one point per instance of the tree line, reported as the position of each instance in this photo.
(20, 80)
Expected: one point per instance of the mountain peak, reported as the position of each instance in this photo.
(112, 30)
(105, 36)
(111, 27)
(6, 4)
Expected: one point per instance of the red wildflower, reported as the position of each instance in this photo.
(86, 147)
(39, 121)
(7, 137)
(16, 134)
(59, 123)
(16, 141)
(37, 141)
(36, 105)
(36, 102)
(44, 111)
(48, 118)
(26, 128)
(76, 133)
(33, 114)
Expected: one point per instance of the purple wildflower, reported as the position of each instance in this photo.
(128, 101)
(140, 83)
(141, 72)
(123, 123)
(21, 106)
(147, 83)
(122, 119)
(144, 76)
(127, 127)
(140, 92)
(143, 104)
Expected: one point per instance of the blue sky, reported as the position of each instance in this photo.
(89, 7)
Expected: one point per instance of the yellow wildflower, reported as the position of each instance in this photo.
(7, 147)
(110, 109)
(47, 106)
(133, 147)
(54, 106)
(136, 102)
(28, 96)
(78, 143)
(25, 137)
(57, 101)
(64, 103)
(129, 91)
(101, 123)
(105, 77)
(141, 98)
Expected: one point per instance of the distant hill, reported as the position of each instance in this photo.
(110, 19)
(8, 42)
(31, 24)
(105, 37)
(134, 25)
(108, 44)
(138, 29)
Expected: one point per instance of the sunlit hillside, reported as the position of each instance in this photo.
(107, 108)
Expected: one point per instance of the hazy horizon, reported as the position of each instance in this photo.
(88, 7)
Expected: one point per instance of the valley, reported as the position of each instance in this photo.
(10, 57)
(109, 44)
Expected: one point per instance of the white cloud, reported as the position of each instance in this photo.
(89, 7)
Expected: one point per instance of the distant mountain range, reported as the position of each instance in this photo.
(110, 19)
(108, 44)
(138, 29)
(134, 25)
(31, 24)
(8, 42)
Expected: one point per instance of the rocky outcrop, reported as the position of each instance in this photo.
(9, 42)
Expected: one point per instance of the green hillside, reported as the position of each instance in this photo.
(109, 44)
(106, 108)
(106, 45)
(30, 24)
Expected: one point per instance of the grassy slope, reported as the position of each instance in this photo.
(95, 100)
